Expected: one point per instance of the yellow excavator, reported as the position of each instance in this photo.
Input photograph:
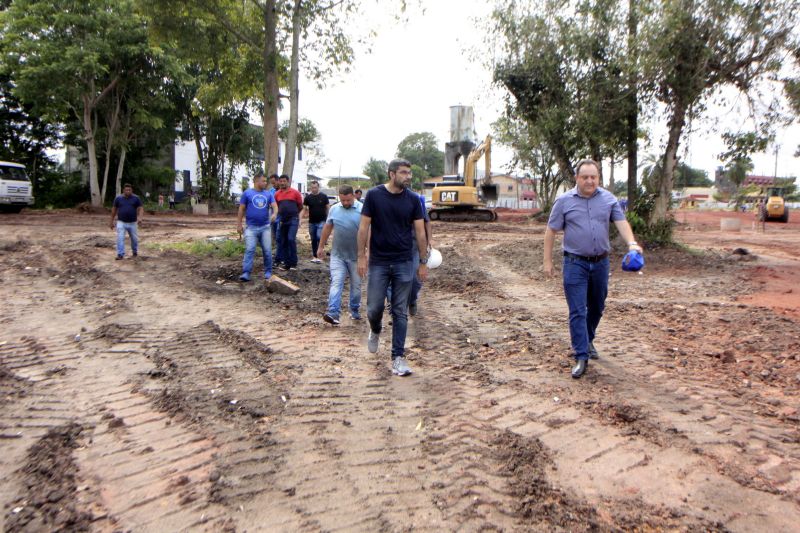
(462, 200)
(775, 205)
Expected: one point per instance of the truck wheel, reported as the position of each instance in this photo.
(785, 216)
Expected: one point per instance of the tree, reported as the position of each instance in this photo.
(308, 142)
(377, 170)
(531, 152)
(692, 49)
(81, 44)
(422, 149)
(564, 66)
(320, 25)
(24, 136)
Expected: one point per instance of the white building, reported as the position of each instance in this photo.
(186, 163)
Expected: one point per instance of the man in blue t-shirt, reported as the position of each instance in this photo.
(255, 206)
(343, 220)
(128, 211)
(390, 217)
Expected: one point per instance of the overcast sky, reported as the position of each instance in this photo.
(419, 68)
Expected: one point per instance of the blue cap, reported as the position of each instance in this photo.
(633, 261)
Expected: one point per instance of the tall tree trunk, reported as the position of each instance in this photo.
(120, 167)
(665, 180)
(111, 126)
(271, 94)
(91, 152)
(611, 173)
(632, 140)
(294, 91)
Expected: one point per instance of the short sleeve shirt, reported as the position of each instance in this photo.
(345, 222)
(585, 221)
(127, 207)
(316, 204)
(392, 222)
(258, 204)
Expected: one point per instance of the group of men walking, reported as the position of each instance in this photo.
(387, 238)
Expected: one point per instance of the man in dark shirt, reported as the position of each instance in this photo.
(583, 214)
(256, 204)
(390, 216)
(128, 210)
(317, 204)
(290, 203)
(276, 234)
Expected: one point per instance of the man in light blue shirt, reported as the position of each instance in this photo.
(343, 220)
(583, 214)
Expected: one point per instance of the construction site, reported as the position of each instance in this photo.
(159, 394)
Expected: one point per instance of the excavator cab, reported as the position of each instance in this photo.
(775, 208)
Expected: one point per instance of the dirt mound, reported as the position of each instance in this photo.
(458, 274)
(20, 245)
(88, 208)
(46, 501)
(543, 507)
(115, 333)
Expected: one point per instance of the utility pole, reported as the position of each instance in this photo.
(775, 172)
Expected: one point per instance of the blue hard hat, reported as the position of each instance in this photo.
(633, 261)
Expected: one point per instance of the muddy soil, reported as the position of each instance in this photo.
(161, 394)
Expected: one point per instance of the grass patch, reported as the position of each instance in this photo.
(224, 249)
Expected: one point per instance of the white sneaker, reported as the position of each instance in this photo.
(373, 341)
(316, 260)
(400, 367)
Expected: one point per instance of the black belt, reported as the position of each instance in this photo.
(591, 259)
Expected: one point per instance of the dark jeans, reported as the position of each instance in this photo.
(276, 238)
(288, 241)
(586, 288)
(399, 277)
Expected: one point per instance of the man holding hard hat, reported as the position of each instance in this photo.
(583, 214)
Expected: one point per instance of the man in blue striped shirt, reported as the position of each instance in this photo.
(583, 214)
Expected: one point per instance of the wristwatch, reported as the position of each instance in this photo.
(633, 243)
(423, 260)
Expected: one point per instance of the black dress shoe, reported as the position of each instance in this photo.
(580, 368)
(593, 352)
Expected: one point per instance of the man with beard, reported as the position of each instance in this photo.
(391, 215)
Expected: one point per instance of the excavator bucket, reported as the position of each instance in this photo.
(489, 193)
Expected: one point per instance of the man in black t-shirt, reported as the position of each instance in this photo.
(317, 204)
(127, 210)
(390, 216)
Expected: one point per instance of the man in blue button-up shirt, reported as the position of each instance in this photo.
(583, 214)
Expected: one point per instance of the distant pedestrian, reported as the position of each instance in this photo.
(290, 203)
(160, 200)
(390, 215)
(256, 205)
(583, 214)
(761, 214)
(171, 200)
(317, 205)
(358, 194)
(343, 222)
(128, 211)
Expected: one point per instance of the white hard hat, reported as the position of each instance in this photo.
(434, 258)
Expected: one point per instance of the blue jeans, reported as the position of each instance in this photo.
(315, 232)
(398, 276)
(586, 288)
(132, 230)
(340, 268)
(287, 248)
(260, 235)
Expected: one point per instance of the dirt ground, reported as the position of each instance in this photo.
(159, 394)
